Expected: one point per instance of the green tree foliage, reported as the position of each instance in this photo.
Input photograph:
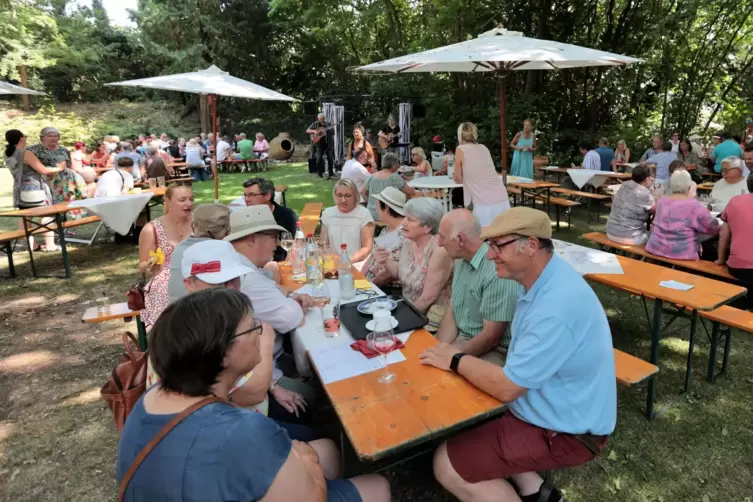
(696, 75)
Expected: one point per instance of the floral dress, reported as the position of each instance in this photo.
(66, 185)
(413, 268)
(156, 297)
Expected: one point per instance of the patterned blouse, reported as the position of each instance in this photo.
(412, 270)
(391, 241)
(67, 184)
(677, 226)
(630, 209)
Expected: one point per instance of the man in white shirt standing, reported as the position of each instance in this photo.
(354, 169)
(254, 234)
(116, 181)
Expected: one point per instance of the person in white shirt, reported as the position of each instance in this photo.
(223, 149)
(591, 159)
(354, 169)
(697, 148)
(254, 235)
(732, 183)
(116, 181)
(675, 142)
(349, 223)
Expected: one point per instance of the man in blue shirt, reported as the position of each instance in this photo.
(138, 161)
(558, 381)
(727, 148)
(606, 154)
(662, 160)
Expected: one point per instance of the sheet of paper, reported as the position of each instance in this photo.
(341, 362)
(676, 285)
(587, 260)
(362, 284)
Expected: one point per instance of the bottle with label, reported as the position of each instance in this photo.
(314, 273)
(345, 275)
(298, 260)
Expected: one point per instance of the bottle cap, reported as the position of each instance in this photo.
(309, 235)
(343, 246)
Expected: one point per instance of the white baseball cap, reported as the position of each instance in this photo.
(213, 261)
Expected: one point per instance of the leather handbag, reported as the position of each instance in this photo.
(127, 382)
(159, 437)
(135, 295)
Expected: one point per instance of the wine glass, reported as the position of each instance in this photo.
(383, 341)
(320, 295)
(286, 243)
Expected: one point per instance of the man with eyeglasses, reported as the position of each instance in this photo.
(482, 305)
(254, 234)
(558, 380)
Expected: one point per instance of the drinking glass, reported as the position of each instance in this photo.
(161, 181)
(321, 297)
(152, 182)
(330, 259)
(331, 319)
(382, 340)
(286, 243)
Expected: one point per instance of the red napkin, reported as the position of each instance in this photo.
(362, 346)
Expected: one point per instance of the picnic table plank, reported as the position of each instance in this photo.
(309, 217)
(115, 311)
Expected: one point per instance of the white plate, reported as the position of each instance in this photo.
(370, 306)
(370, 324)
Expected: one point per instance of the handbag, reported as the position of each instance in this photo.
(159, 437)
(32, 198)
(127, 382)
(135, 295)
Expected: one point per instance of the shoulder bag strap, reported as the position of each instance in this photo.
(155, 441)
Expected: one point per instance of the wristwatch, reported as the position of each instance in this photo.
(456, 360)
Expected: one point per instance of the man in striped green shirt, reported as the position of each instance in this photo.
(483, 305)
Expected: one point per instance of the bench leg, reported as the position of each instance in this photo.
(27, 222)
(689, 370)
(654, 358)
(718, 336)
(63, 247)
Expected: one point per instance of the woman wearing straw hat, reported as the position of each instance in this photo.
(390, 207)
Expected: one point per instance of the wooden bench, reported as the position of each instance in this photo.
(310, 215)
(631, 370)
(731, 318)
(117, 311)
(592, 197)
(242, 165)
(704, 267)
(557, 202)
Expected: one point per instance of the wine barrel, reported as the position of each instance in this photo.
(539, 162)
(281, 147)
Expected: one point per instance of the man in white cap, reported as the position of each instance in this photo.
(558, 380)
(215, 264)
(254, 234)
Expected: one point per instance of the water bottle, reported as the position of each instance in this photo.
(314, 273)
(345, 275)
(450, 165)
(298, 260)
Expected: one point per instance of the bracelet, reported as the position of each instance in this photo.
(272, 385)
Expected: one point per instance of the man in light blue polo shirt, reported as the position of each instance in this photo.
(559, 379)
(727, 148)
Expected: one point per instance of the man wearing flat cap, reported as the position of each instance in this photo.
(558, 380)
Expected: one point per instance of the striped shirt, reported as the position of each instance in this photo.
(592, 161)
(478, 295)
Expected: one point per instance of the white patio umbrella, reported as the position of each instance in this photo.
(500, 51)
(6, 88)
(213, 82)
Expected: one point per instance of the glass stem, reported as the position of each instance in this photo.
(386, 366)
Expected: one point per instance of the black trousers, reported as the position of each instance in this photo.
(320, 150)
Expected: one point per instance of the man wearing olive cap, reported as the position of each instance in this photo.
(558, 380)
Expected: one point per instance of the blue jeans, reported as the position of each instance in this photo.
(298, 432)
(199, 173)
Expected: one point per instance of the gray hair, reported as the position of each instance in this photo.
(427, 211)
(152, 150)
(242, 135)
(48, 131)
(321, 116)
(680, 182)
(125, 145)
(471, 227)
(265, 186)
(734, 162)
(390, 161)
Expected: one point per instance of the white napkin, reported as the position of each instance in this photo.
(676, 285)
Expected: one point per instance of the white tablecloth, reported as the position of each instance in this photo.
(118, 212)
(439, 182)
(309, 336)
(583, 176)
(587, 260)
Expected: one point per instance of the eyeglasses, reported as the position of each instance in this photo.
(252, 194)
(257, 327)
(343, 196)
(497, 248)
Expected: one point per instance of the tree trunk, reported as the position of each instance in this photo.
(24, 83)
(204, 114)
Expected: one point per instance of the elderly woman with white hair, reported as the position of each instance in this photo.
(349, 223)
(681, 223)
(732, 183)
(424, 267)
(482, 187)
(421, 166)
(66, 183)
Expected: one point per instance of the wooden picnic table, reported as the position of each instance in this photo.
(117, 311)
(423, 403)
(533, 190)
(642, 279)
(309, 217)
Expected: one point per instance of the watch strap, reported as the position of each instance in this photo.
(456, 361)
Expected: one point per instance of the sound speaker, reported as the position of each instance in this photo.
(419, 111)
(310, 107)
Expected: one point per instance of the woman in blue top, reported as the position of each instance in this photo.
(200, 346)
(524, 144)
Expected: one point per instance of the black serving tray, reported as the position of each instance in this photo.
(408, 318)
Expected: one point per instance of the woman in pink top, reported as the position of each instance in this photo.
(736, 236)
(681, 222)
(474, 168)
(261, 146)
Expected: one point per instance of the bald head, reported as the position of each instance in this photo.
(462, 221)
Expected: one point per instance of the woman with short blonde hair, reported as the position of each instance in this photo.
(474, 169)
(349, 223)
(421, 166)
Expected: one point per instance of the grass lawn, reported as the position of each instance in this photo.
(57, 441)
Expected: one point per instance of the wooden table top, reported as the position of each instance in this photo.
(309, 217)
(422, 403)
(644, 278)
(534, 184)
(115, 311)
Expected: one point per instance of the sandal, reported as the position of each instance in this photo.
(54, 249)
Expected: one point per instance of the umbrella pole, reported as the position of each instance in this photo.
(213, 99)
(503, 122)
